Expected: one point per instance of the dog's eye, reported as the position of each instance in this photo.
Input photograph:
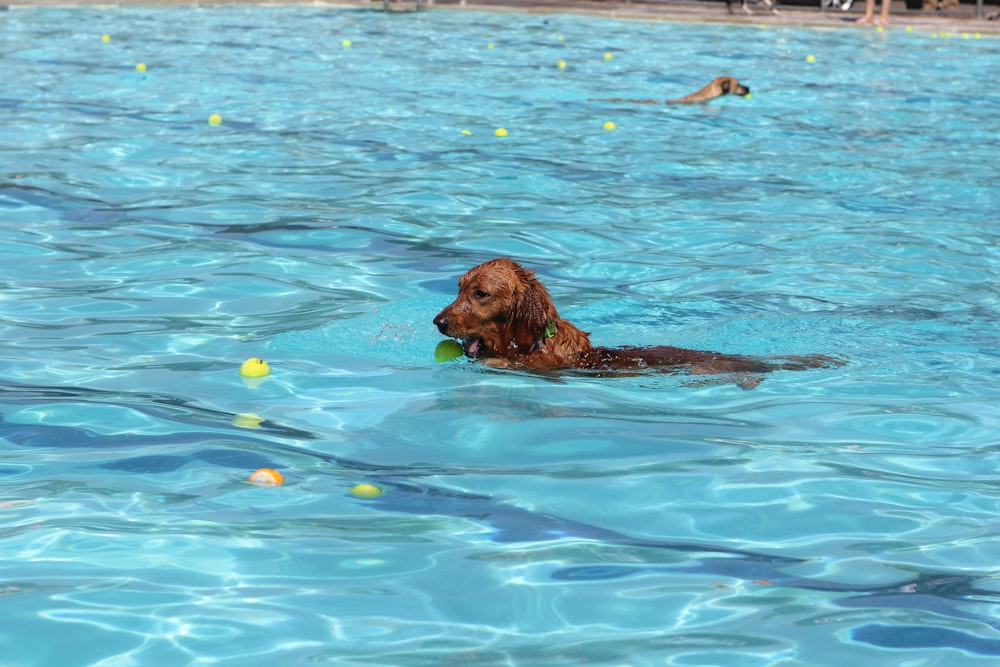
(480, 294)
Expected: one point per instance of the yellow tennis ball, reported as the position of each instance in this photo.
(254, 367)
(810, 59)
(466, 132)
(978, 35)
(909, 28)
(365, 491)
(489, 46)
(561, 64)
(747, 96)
(447, 350)
(561, 38)
(215, 119)
(105, 38)
(609, 56)
(140, 67)
(346, 43)
(879, 28)
(610, 125)
(248, 420)
(501, 132)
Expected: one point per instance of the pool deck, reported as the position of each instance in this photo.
(960, 22)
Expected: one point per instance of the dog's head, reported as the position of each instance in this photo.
(730, 86)
(502, 310)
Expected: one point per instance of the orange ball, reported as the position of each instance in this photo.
(267, 477)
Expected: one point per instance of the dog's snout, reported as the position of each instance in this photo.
(441, 322)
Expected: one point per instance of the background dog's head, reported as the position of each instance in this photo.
(730, 86)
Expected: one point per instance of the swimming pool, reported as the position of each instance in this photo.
(825, 517)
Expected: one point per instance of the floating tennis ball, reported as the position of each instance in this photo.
(254, 367)
(609, 56)
(810, 59)
(610, 125)
(267, 477)
(365, 491)
(489, 46)
(140, 67)
(248, 420)
(561, 64)
(447, 350)
(346, 43)
(215, 119)
(909, 28)
(747, 96)
(501, 132)
(466, 132)
(105, 38)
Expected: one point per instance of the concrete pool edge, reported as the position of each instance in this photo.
(961, 23)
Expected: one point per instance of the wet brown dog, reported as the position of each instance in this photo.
(723, 85)
(503, 315)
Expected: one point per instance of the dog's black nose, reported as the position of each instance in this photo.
(441, 322)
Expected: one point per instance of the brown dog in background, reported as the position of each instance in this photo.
(723, 85)
(503, 315)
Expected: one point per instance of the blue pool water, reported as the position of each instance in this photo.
(828, 517)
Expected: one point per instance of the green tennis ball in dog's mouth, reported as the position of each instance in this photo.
(448, 350)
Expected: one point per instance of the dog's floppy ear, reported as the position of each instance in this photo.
(725, 86)
(533, 313)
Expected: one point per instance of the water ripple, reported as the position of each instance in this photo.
(830, 516)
